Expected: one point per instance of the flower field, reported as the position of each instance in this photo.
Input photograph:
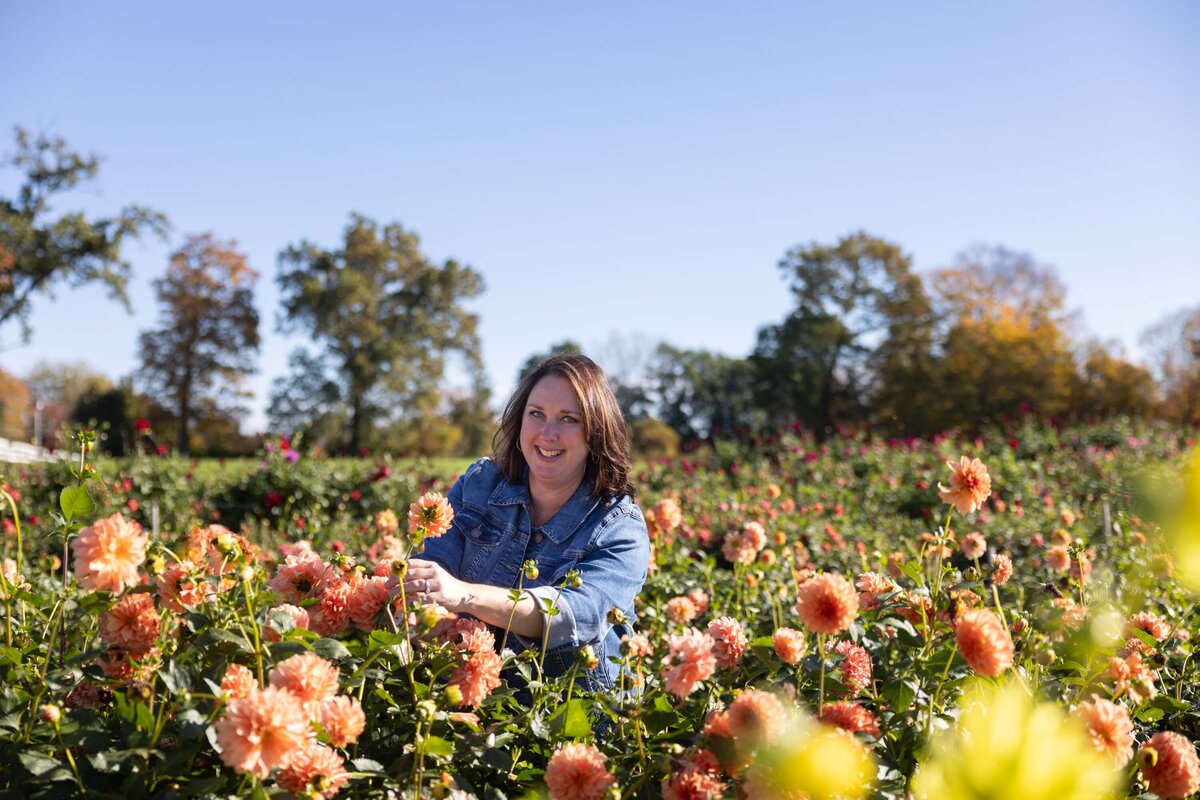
(1004, 617)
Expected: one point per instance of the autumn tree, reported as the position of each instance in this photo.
(14, 406)
(1006, 343)
(39, 250)
(385, 318)
(856, 303)
(1109, 385)
(209, 333)
(1174, 349)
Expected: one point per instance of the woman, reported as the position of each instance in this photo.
(557, 493)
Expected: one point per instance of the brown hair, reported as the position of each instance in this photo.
(604, 428)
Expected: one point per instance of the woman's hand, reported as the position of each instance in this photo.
(427, 582)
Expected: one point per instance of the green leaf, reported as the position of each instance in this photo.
(75, 502)
(1149, 714)
(38, 764)
(1169, 704)
(10, 655)
(174, 677)
(1146, 638)
(331, 649)
(571, 720)
(381, 638)
(437, 746)
(192, 725)
(366, 765)
(899, 694)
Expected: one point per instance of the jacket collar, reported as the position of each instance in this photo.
(564, 523)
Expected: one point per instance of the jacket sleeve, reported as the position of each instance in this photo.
(613, 572)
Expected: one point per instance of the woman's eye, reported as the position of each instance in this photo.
(535, 413)
(570, 420)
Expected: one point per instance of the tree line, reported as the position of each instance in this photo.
(868, 341)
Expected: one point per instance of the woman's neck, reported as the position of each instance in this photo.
(546, 501)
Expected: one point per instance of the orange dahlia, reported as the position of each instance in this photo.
(970, 485)
(984, 641)
(827, 603)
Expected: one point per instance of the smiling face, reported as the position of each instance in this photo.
(552, 436)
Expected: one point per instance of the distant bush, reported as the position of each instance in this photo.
(654, 439)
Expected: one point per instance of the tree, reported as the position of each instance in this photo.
(14, 407)
(386, 317)
(1174, 347)
(701, 393)
(38, 251)
(1006, 343)
(821, 363)
(1109, 385)
(567, 347)
(209, 330)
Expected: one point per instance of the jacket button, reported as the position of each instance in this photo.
(537, 538)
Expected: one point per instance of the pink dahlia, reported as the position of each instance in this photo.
(261, 731)
(827, 603)
(132, 625)
(692, 659)
(1170, 765)
(315, 772)
(970, 485)
(107, 554)
(477, 677)
(730, 641)
(577, 772)
(312, 679)
(984, 641)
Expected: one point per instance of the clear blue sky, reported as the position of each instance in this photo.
(623, 167)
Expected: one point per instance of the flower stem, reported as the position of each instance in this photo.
(821, 688)
(254, 629)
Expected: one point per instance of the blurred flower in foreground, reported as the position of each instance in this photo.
(1008, 746)
(813, 761)
(1181, 526)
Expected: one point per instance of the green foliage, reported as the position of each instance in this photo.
(39, 251)
(702, 394)
(654, 439)
(858, 304)
(384, 317)
(847, 505)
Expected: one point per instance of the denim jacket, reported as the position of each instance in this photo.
(606, 540)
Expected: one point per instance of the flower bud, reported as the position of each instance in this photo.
(453, 695)
(1147, 757)
(429, 616)
(399, 568)
(226, 545)
(246, 574)
(574, 579)
(530, 569)
(617, 617)
(426, 709)
(50, 713)
(586, 657)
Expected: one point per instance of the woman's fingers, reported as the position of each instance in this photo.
(422, 578)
